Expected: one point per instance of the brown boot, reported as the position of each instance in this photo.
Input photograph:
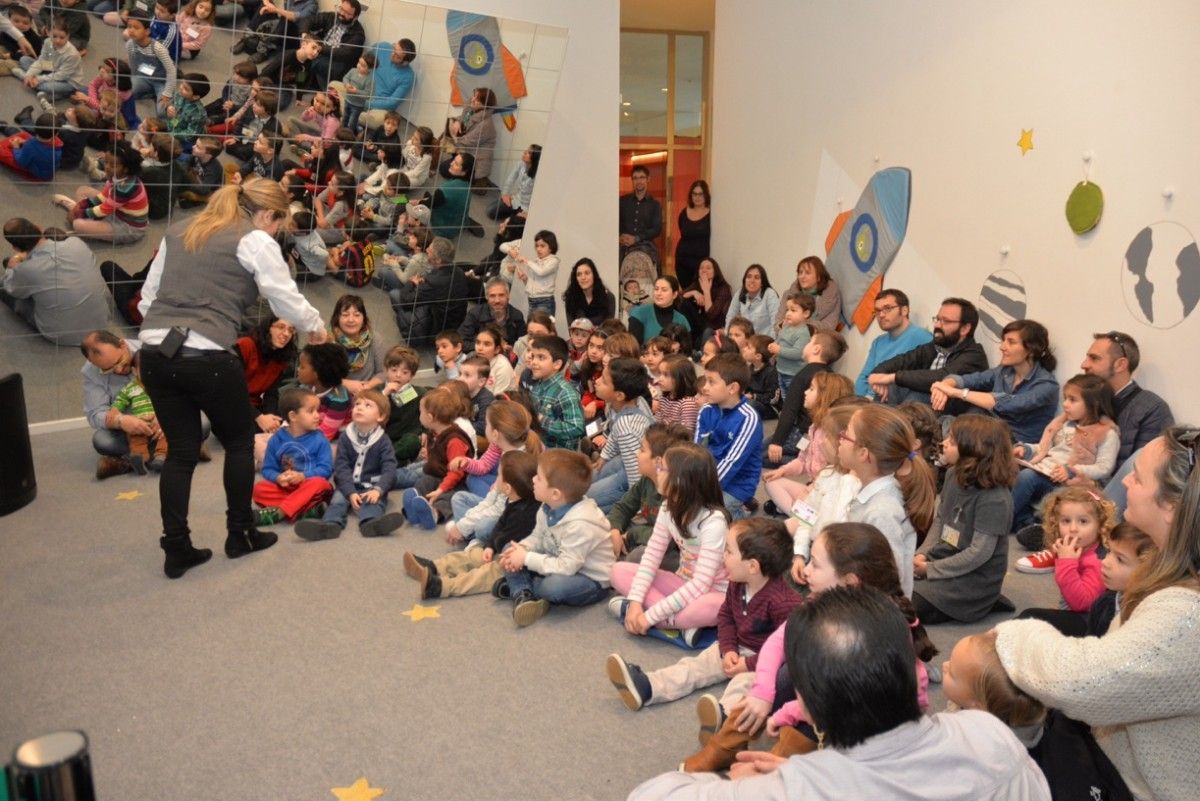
(109, 466)
(792, 742)
(720, 752)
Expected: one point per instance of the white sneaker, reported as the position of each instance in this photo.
(44, 100)
(616, 606)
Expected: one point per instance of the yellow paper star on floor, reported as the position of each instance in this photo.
(132, 495)
(1026, 141)
(361, 790)
(418, 612)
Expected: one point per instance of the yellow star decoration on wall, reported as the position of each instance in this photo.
(418, 612)
(132, 495)
(1026, 141)
(361, 790)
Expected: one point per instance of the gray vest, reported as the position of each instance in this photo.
(207, 291)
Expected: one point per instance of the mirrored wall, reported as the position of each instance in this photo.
(516, 62)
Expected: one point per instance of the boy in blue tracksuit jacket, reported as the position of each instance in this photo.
(364, 470)
(731, 430)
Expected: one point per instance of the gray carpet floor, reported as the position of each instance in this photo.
(293, 671)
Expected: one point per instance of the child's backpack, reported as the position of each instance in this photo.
(357, 263)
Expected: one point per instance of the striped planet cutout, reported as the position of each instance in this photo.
(1001, 300)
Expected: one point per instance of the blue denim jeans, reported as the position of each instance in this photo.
(785, 381)
(737, 509)
(148, 87)
(576, 590)
(609, 485)
(409, 475)
(480, 485)
(1030, 488)
(545, 303)
(463, 502)
(339, 509)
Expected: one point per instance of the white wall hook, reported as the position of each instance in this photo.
(1168, 192)
(1004, 250)
(1088, 155)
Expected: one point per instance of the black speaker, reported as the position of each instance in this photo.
(54, 767)
(18, 485)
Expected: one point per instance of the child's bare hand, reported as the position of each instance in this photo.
(458, 463)
(920, 566)
(772, 727)
(618, 542)
(453, 535)
(1067, 547)
(488, 554)
(371, 496)
(729, 663)
(798, 565)
(355, 500)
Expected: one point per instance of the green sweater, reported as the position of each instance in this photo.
(640, 499)
(133, 399)
(404, 427)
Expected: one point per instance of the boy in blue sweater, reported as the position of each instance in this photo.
(363, 472)
(298, 463)
(731, 430)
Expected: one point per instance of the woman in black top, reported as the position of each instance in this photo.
(586, 295)
(695, 229)
(706, 302)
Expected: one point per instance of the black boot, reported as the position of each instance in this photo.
(240, 543)
(181, 555)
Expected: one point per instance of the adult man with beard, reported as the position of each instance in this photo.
(953, 351)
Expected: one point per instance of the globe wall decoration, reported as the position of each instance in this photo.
(1085, 205)
(1001, 300)
(1160, 277)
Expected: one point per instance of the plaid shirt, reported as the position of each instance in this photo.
(560, 411)
(190, 118)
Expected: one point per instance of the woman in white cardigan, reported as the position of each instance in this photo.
(1138, 686)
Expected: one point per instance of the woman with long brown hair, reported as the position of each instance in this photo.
(206, 272)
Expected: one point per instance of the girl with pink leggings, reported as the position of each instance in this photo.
(693, 515)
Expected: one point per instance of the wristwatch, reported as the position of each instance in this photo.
(965, 391)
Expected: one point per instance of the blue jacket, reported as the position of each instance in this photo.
(378, 470)
(393, 84)
(39, 159)
(734, 438)
(309, 453)
(1028, 409)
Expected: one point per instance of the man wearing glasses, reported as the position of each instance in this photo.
(899, 336)
(953, 351)
(108, 369)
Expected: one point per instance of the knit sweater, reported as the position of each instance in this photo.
(59, 64)
(810, 457)
(700, 562)
(126, 200)
(375, 468)
(1137, 686)
(577, 544)
(308, 453)
(134, 400)
(1089, 450)
(791, 341)
(626, 430)
(745, 625)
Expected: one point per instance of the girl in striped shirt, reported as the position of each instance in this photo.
(677, 380)
(118, 212)
(693, 515)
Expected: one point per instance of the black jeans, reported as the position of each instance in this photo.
(181, 388)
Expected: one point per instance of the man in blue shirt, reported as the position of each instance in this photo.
(899, 335)
(394, 82)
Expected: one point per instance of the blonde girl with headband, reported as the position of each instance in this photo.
(898, 488)
(1076, 522)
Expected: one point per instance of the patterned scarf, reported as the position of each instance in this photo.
(356, 348)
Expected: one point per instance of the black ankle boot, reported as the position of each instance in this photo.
(181, 556)
(240, 543)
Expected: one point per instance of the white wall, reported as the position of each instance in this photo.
(945, 89)
(570, 53)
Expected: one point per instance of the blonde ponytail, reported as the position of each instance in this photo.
(230, 205)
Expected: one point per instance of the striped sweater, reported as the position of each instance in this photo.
(127, 200)
(700, 562)
(683, 411)
(625, 432)
(152, 62)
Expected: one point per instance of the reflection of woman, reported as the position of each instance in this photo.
(706, 301)
(757, 301)
(586, 295)
(267, 352)
(695, 227)
(517, 191)
(207, 270)
(1137, 685)
(649, 319)
(813, 279)
(475, 131)
(118, 212)
(450, 201)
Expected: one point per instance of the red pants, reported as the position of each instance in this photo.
(294, 501)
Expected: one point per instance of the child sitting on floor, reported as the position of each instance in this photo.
(321, 369)
(633, 517)
(144, 451)
(559, 410)
(476, 570)
(428, 485)
(297, 464)
(758, 553)
(567, 559)
(363, 473)
(403, 427)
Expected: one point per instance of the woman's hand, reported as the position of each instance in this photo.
(268, 423)
(939, 394)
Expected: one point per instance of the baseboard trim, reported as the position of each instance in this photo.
(55, 426)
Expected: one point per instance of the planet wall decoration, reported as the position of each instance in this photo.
(1085, 205)
(1160, 277)
(1001, 300)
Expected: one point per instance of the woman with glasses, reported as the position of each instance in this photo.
(1138, 686)
(206, 272)
(694, 229)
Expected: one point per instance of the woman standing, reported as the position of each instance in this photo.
(207, 270)
(1138, 686)
(757, 301)
(706, 302)
(586, 295)
(695, 230)
(647, 320)
(813, 279)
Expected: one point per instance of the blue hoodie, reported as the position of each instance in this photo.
(393, 84)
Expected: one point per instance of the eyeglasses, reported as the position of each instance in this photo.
(847, 438)
(1118, 339)
(944, 320)
(886, 309)
(121, 363)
